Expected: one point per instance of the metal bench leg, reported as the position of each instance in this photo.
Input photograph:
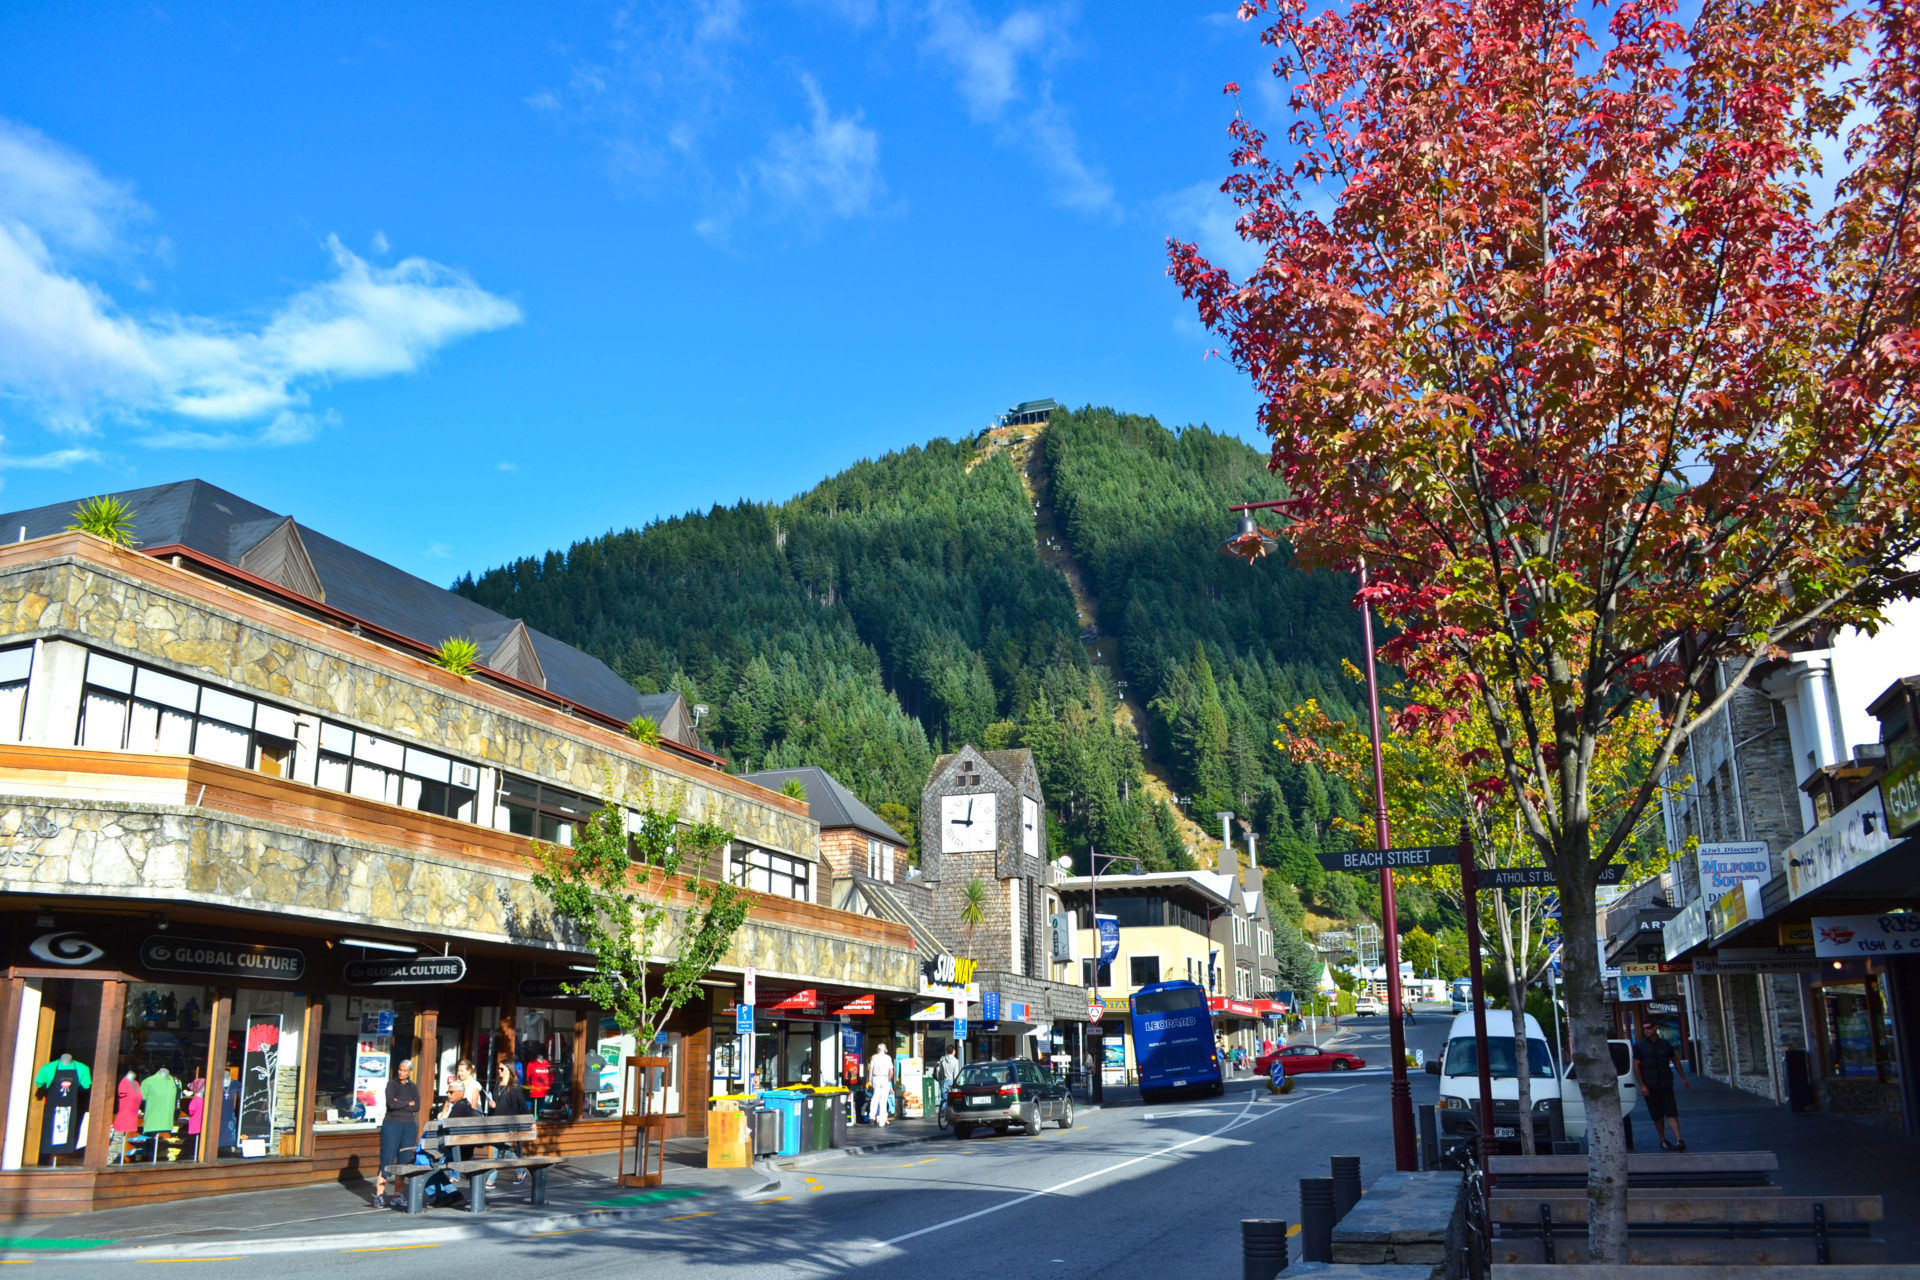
(1546, 1230)
(539, 1193)
(417, 1194)
(1822, 1247)
(476, 1193)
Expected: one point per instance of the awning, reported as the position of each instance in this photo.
(1233, 1008)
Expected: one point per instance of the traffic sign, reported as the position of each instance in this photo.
(749, 994)
(1095, 1012)
(1432, 855)
(959, 1028)
(1540, 877)
(743, 1020)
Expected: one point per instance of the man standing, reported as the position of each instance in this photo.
(945, 1071)
(1654, 1063)
(880, 1079)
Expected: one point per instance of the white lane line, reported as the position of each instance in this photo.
(1242, 1119)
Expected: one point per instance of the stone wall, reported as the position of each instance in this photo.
(397, 696)
(162, 853)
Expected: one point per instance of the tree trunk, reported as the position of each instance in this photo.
(1593, 1063)
(1517, 1001)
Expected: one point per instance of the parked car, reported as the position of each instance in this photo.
(1006, 1095)
(1547, 1083)
(1371, 1006)
(1297, 1058)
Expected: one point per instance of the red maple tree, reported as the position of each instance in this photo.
(1558, 334)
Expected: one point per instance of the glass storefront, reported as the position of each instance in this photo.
(1857, 1028)
(543, 1047)
(47, 1121)
(165, 1050)
(362, 1038)
(260, 1108)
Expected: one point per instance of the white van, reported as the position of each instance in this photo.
(1459, 1070)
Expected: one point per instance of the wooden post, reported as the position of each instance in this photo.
(309, 1073)
(36, 1107)
(106, 1072)
(11, 994)
(213, 1107)
(426, 1057)
(643, 1146)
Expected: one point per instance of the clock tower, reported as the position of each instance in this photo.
(982, 817)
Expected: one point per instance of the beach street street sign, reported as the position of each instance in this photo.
(1433, 855)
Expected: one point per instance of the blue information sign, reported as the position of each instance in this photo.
(990, 1005)
(1277, 1072)
(959, 1028)
(1109, 927)
(743, 1020)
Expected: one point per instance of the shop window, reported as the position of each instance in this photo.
(1088, 978)
(606, 1070)
(390, 772)
(260, 1109)
(533, 809)
(161, 1103)
(543, 1047)
(59, 1026)
(15, 666)
(769, 872)
(362, 1041)
(1143, 970)
(1858, 1029)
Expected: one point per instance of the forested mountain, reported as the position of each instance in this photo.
(903, 606)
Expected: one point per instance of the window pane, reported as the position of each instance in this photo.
(103, 722)
(273, 756)
(1144, 970)
(370, 782)
(110, 673)
(264, 1061)
(336, 738)
(162, 730)
(425, 764)
(223, 706)
(13, 708)
(275, 721)
(380, 751)
(168, 691)
(333, 773)
(15, 663)
(220, 742)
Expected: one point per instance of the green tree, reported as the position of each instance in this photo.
(973, 908)
(612, 889)
(1421, 950)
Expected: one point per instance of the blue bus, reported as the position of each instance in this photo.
(1173, 1044)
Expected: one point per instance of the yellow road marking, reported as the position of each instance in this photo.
(390, 1248)
(774, 1200)
(1294, 1230)
(229, 1258)
(683, 1217)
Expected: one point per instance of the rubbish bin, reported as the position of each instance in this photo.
(788, 1102)
(729, 1141)
(766, 1132)
(820, 1109)
(836, 1101)
(929, 1097)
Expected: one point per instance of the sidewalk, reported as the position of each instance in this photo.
(1820, 1154)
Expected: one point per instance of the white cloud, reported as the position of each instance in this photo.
(825, 169)
(52, 460)
(1205, 215)
(992, 72)
(75, 358)
(380, 243)
(437, 551)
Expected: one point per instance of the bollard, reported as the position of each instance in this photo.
(1429, 1138)
(1346, 1185)
(1316, 1219)
(1263, 1248)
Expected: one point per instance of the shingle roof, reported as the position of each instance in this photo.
(830, 803)
(1010, 765)
(210, 520)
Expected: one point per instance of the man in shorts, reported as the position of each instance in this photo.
(1654, 1063)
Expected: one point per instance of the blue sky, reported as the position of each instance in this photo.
(464, 283)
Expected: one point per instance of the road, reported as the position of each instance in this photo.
(1129, 1193)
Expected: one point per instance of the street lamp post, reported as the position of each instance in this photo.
(1096, 1093)
(1249, 543)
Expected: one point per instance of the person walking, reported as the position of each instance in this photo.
(471, 1088)
(880, 1077)
(507, 1099)
(400, 1129)
(1654, 1063)
(945, 1072)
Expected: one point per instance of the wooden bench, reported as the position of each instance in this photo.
(1679, 1169)
(1693, 1227)
(442, 1140)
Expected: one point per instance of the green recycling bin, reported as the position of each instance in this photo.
(820, 1121)
(929, 1097)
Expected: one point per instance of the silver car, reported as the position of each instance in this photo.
(1008, 1095)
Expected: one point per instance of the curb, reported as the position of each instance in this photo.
(479, 1229)
(807, 1159)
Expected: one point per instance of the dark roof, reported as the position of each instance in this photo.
(830, 804)
(1010, 765)
(208, 519)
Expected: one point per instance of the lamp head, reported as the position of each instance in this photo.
(1249, 541)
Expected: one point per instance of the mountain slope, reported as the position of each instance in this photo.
(912, 602)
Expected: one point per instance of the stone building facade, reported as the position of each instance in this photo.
(232, 815)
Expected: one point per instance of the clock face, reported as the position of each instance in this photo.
(1029, 827)
(966, 823)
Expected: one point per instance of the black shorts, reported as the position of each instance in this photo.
(394, 1135)
(1660, 1104)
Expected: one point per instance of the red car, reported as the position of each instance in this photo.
(1304, 1057)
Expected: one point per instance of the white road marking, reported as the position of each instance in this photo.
(1243, 1118)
